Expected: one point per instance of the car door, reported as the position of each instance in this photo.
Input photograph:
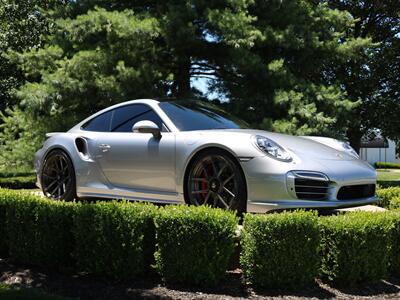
(137, 161)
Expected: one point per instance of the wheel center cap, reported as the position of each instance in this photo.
(214, 185)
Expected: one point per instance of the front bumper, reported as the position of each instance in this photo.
(270, 183)
(263, 207)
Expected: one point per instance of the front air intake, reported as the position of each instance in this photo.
(356, 191)
(311, 186)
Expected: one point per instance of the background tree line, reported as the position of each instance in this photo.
(296, 66)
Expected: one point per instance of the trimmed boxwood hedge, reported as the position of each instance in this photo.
(386, 195)
(4, 198)
(280, 249)
(18, 182)
(114, 238)
(355, 247)
(37, 231)
(194, 244)
(386, 165)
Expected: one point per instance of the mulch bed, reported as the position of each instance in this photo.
(83, 286)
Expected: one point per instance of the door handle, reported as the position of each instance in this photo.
(104, 147)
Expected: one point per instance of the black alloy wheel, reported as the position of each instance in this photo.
(215, 179)
(58, 177)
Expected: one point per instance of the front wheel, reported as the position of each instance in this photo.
(58, 177)
(216, 179)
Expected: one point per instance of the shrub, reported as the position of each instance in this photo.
(19, 182)
(3, 236)
(395, 203)
(194, 244)
(6, 174)
(388, 183)
(386, 165)
(355, 247)
(394, 254)
(280, 250)
(115, 238)
(386, 195)
(38, 230)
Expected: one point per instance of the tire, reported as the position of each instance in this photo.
(215, 178)
(58, 176)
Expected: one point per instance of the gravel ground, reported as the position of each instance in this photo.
(81, 286)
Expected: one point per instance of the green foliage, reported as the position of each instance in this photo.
(14, 292)
(98, 59)
(386, 195)
(38, 231)
(285, 83)
(3, 233)
(388, 183)
(20, 137)
(355, 247)
(19, 182)
(394, 218)
(370, 78)
(22, 26)
(386, 165)
(194, 244)
(114, 238)
(395, 202)
(280, 250)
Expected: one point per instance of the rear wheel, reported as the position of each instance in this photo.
(58, 177)
(215, 179)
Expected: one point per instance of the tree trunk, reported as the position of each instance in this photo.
(182, 78)
(354, 134)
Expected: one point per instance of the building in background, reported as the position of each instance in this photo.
(379, 150)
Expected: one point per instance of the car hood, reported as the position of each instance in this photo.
(302, 147)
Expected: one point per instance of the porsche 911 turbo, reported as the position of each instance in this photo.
(195, 153)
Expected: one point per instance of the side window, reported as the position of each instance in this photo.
(125, 117)
(100, 123)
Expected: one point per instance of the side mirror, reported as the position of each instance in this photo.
(147, 127)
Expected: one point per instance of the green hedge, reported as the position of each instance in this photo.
(7, 174)
(386, 165)
(280, 250)
(194, 244)
(395, 203)
(386, 195)
(394, 259)
(4, 199)
(19, 182)
(355, 247)
(388, 183)
(114, 238)
(38, 231)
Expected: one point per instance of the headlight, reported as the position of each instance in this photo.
(271, 148)
(347, 148)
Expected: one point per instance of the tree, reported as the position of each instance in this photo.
(194, 34)
(285, 82)
(372, 78)
(95, 60)
(22, 24)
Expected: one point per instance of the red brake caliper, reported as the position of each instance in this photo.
(204, 185)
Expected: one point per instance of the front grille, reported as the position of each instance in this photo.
(356, 191)
(311, 189)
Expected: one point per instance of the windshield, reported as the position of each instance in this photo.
(198, 115)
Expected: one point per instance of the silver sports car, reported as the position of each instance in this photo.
(193, 152)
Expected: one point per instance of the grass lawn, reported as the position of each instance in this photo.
(10, 292)
(388, 174)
